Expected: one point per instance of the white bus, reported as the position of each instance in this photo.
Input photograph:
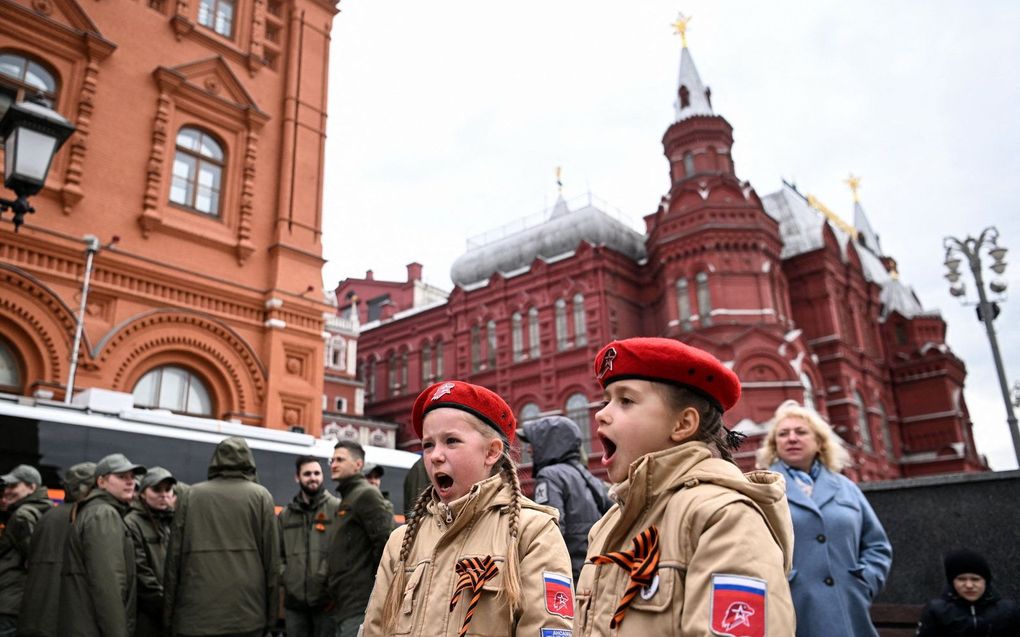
(52, 436)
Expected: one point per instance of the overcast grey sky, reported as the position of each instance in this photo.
(448, 119)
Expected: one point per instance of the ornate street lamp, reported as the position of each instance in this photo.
(31, 133)
(970, 249)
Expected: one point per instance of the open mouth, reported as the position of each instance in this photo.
(443, 482)
(609, 448)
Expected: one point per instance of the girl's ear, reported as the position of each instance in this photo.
(685, 425)
(493, 452)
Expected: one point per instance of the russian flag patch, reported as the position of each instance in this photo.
(738, 606)
(559, 594)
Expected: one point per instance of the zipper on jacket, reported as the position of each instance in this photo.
(973, 615)
(449, 513)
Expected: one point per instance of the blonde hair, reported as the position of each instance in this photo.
(830, 446)
(511, 590)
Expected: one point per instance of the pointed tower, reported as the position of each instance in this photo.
(866, 235)
(714, 258)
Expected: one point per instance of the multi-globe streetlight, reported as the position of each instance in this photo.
(971, 250)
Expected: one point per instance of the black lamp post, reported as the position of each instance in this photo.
(32, 133)
(970, 249)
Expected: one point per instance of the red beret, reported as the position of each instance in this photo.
(474, 399)
(666, 360)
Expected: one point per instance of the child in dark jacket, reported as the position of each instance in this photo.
(970, 606)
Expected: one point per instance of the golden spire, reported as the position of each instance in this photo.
(855, 185)
(681, 27)
(559, 181)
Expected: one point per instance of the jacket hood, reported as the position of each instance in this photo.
(232, 459)
(553, 439)
(692, 463)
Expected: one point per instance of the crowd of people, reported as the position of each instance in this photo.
(680, 542)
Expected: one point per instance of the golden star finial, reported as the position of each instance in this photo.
(681, 27)
(855, 185)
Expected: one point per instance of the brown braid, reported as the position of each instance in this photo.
(395, 593)
(710, 429)
(512, 579)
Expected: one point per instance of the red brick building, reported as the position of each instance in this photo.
(800, 304)
(199, 144)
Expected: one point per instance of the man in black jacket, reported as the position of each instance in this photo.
(365, 521)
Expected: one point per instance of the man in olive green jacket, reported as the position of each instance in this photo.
(97, 585)
(149, 522)
(41, 602)
(365, 521)
(223, 564)
(27, 501)
(307, 527)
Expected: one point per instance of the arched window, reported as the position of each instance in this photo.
(533, 344)
(685, 97)
(476, 348)
(579, 411)
(174, 388)
(683, 303)
(562, 338)
(439, 359)
(340, 405)
(336, 354)
(862, 422)
(887, 444)
(22, 77)
(370, 379)
(688, 164)
(426, 363)
(490, 343)
(517, 336)
(529, 411)
(809, 391)
(704, 298)
(580, 326)
(391, 375)
(10, 374)
(217, 15)
(402, 376)
(198, 172)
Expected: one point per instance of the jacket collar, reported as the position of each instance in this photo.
(488, 493)
(99, 495)
(37, 498)
(344, 486)
(825, 488)
(299, 504)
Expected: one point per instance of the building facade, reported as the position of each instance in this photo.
(800, 304)
(197, 164)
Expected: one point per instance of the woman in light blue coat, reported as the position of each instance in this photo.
(841, 554)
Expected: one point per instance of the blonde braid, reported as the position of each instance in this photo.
(395, 593)
(512, 576)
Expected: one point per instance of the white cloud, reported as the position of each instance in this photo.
(449, 118)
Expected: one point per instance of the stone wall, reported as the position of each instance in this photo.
(926, 517)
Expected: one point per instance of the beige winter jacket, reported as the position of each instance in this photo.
(717, 529)
(477, 525)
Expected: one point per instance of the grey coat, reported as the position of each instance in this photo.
(561, 481)
(841, 557)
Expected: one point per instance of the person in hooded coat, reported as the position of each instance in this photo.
(562, 482)
(41, 601)
(223, 563)
(969, 606)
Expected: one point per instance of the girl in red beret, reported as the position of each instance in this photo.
(693, 546)
(476, 556)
